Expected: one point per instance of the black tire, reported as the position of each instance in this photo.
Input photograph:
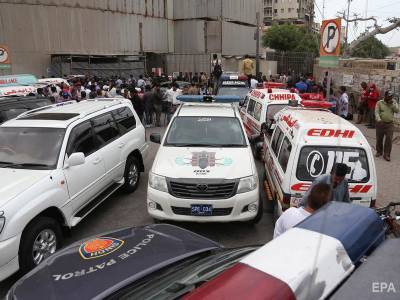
(30, 234)
(131, 185)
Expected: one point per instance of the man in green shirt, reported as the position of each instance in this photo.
(384, 114)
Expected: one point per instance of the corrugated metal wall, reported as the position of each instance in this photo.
(237, 39)
(188, 63)
(189, 37)
(34, 29)
(235, 10)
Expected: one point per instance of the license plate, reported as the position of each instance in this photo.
(201, 210)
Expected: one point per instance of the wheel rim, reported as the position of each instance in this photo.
(45, 244)
(133, 175)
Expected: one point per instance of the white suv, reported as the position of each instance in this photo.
(204, 170)
(56, 165)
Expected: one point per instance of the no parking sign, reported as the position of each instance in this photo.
(5, 58)
(329, 48)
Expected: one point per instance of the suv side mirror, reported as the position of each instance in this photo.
(76, 159)
(155, 138)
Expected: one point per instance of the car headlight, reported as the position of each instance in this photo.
(2, 221)
(158, 182)
(247, 184)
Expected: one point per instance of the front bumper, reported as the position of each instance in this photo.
(166, 201)
(9, 263)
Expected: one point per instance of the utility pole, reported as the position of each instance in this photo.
(347, 26)
(323, 9)
(258, 44)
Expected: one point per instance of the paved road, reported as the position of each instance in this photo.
(388, 173)
(123, 210)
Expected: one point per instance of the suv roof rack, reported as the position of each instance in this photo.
(45, 108)
(112, 102)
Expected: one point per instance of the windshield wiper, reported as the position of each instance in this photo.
(22, 165)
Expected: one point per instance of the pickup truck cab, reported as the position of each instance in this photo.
(204, 170)
(57, 163)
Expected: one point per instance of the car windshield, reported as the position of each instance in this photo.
(273, 109)
(205, 132)
(181, 278)
(233, 91)
(30, 147)
(315, 161)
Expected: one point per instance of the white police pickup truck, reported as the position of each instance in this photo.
(204, 170)
(57, 163)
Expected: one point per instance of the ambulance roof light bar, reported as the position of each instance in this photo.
(208, 99)
(311, 104)
(233, 77)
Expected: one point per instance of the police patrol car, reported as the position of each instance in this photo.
(233, 85)
(305, 144)
(204, 170)
(260, 106)
(162, 261)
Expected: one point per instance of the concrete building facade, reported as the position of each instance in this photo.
(41, 34)
(288, 11)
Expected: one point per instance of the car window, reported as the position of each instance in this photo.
(284, 153)
(278, 144)
(125, 119)
(81, 140)
(30, 147)
(316, 161)
(272, 110)
(105, 128)
(275, 138)
(257, 111)
(251, 106)
(205, 132)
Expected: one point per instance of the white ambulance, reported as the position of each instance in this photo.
(260, 107)
(305, 144)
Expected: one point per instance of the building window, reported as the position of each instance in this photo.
(282, 10)
(275, 12)
(268, 11)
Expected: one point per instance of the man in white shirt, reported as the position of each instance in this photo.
(172, 93)
(343, 103)
(253, 82)
(318, 197)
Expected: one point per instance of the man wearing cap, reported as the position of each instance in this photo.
(384, 115)
(337, 180)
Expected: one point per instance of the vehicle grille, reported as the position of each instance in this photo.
(200, 190)
(186, 211)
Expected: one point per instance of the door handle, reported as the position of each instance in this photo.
(97, 160)
(121, 145)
